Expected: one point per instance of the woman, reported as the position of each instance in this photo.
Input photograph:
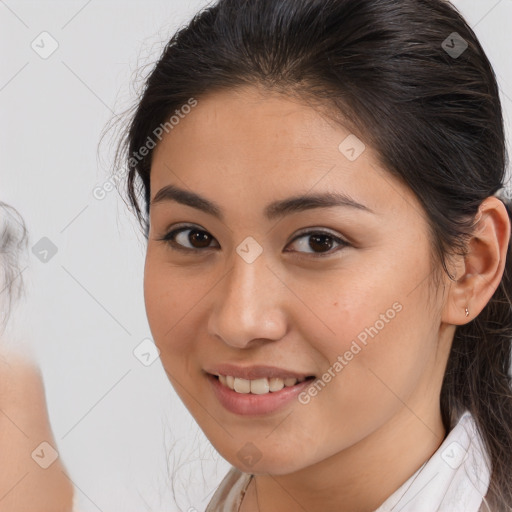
(328, 261)
(32, 475)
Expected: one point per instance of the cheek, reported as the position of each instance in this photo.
(356, 305)
(158, 298)
(382, 345)
(169, 300)
(172, 299)
(165, 297)
(375, 314)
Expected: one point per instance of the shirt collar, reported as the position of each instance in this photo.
(454, 479)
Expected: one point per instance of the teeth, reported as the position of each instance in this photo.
(276, 384)
(258, 386)
(242, 386)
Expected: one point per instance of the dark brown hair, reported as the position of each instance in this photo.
(13, 244)
(433, 115)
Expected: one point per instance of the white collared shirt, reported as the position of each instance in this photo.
(454, 479)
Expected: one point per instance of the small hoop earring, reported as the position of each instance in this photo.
(467, 311)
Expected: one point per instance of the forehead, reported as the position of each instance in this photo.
(245, 143)
(241, 118)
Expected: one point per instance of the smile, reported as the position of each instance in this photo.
(258, 386)
(253, 397)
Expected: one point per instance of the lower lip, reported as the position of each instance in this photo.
(250, 404)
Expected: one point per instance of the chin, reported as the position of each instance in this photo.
(276, 464)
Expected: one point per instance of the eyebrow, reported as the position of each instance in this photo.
(274, 210)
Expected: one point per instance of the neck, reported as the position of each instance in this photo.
(360, 478)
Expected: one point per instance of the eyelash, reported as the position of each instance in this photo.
(169, 239)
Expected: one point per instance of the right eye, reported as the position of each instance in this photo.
(177, 239)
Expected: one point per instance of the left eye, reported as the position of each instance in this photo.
(200, 240)
(322, 240)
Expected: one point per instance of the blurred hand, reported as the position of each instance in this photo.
(32, 476)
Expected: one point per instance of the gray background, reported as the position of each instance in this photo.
(118, 424)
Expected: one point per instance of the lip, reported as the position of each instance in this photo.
(248, 404)
(255, 372)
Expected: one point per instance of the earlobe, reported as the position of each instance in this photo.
(482, 266)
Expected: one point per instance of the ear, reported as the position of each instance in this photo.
(479, 272)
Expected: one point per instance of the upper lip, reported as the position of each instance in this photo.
(255, 371)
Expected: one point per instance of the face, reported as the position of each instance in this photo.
(338, 291)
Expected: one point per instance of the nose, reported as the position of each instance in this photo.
(248, 304)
